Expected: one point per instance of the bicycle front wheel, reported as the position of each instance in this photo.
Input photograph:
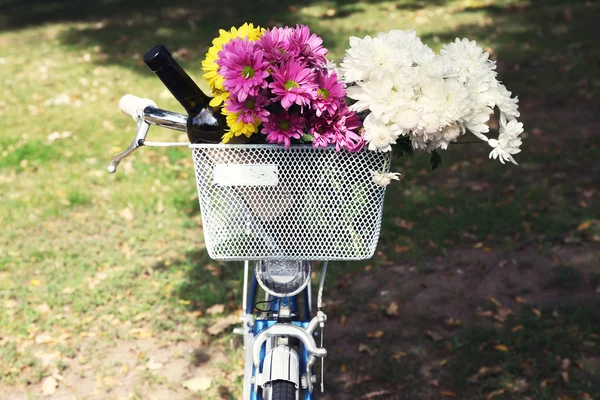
(283, 390)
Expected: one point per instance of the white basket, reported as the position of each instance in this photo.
(265, 202)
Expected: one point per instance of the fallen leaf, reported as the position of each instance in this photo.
(43, 338)
(584, 225)
(363, 348)
(520, 300)
(537, 312)
(517, 328)
(484, 372)
(494, 394)
(496, 302)
(35, 283)
(49, 386)
(398, 355)
(126, 214)
(223, 324)
(404, 224)
(436, 337)
(447, 393)
(43, 308)
(565, 377)
(401, 249)
(478, 245)
(545, 383)
(198, 384)
(153, 365)
(453, 322)
(519, 386)
(392, 309)
(501, 347)
(486, 313)
(375, 334)
(216, 309)
(377, 393)
(68, 290)
(185, 302)
(470, 236)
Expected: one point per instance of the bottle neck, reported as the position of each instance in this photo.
(183, 88)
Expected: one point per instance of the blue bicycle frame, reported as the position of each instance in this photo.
(262, 324)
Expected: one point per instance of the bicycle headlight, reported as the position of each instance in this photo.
(283, 278)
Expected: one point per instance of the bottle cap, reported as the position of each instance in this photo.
(158, 57)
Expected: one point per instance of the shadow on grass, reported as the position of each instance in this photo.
(547, 49)
(206, 282)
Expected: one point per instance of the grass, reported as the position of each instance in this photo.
(543, 357)
(85, 254)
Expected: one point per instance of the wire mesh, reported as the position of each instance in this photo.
(264, 202)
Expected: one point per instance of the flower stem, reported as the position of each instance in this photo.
(468, 142)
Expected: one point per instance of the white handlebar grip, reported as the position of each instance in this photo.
(134, 106)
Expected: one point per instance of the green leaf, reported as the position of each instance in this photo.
(435, 160)
(405, 147)
(307, 138)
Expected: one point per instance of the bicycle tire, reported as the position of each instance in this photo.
(283, 390)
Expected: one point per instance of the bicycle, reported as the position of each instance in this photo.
(283, 210)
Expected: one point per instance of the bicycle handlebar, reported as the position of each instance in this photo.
(146, 113)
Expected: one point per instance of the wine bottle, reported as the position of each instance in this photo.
(204, 124)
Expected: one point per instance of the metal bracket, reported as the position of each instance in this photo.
(138, 141)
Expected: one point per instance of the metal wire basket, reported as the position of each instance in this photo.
(265, 202)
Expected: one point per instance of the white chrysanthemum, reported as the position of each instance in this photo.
(378, 135)
(374, 58)
(409, 90)
(509, 140)
(505, 103)
(332, 67)
(446, 98)
(430, 123)
(477, 124)
(439, 67)
(384, 178)
(352, 67)
(470, 60)
(408, 118)
(378, 96)
(444, 137)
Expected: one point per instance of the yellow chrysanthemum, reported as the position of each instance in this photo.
(219, 98)
(238, 128)
(209, 65)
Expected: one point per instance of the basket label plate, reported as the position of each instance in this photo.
(246, 175)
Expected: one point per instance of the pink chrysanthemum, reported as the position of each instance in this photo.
(293, 83)
(346, 125)
(281, 128)
(275, 44)
(322, 132)
(249, 109)
(243, 67)
(308, 47)
(330, 93)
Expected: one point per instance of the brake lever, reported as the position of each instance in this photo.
(138, 141)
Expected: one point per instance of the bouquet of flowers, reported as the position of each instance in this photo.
(277, 82)
(390, 89)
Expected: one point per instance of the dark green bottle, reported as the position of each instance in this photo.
(204, 124)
